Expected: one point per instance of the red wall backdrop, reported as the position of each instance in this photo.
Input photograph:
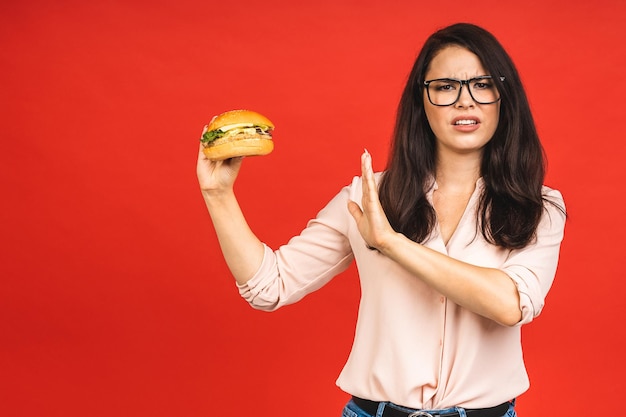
(114, 298)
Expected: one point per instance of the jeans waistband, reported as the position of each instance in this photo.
(391, 410)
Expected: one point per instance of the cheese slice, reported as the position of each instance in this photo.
(235, 126)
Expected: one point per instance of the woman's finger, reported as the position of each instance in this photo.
(370, 192)
(355, 211)
(365, 174)
(204, 129)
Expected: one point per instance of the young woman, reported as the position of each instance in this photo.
(456, 242)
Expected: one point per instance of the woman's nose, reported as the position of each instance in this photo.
(465, 98)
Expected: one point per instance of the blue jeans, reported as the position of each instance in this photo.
(352, 410)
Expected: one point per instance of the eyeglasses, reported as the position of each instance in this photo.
(447, 91)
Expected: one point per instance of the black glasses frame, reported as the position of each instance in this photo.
(462, 82)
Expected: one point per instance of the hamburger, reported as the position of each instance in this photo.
(237, 133)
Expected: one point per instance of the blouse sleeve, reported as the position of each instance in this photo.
(533, 268)
(306, 263)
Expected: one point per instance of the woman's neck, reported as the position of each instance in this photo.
(457, 174)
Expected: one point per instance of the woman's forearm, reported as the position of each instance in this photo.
(242, 250)
(485, 291)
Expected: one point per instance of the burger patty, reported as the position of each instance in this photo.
(249, 133)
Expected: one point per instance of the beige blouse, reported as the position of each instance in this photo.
(413, 346)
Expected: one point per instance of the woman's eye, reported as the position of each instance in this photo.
(481, 85)
(445, 87)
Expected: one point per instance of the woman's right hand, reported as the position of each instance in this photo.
(216, 177)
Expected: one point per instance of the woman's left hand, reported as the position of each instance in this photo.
(371, 220)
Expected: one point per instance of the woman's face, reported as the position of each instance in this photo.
(466, 126)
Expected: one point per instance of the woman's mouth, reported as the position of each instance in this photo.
(465, 122)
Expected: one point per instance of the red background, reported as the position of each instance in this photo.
(114, 298)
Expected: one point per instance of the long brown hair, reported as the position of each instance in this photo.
(513, 163)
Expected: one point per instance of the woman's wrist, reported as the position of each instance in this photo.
(391, 243)
(218, 194)
(215, 199)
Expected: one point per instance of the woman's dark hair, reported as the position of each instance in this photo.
(513, 164)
